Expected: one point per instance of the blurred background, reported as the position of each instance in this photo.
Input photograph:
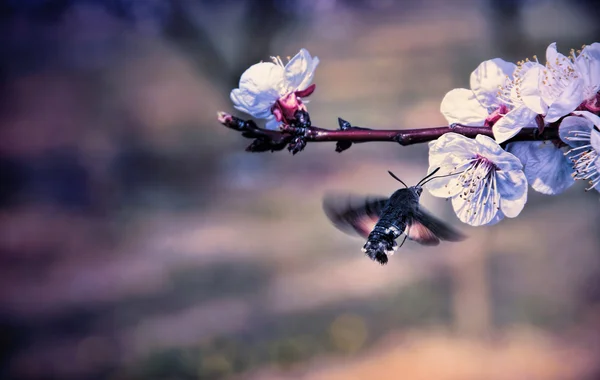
(139, 241)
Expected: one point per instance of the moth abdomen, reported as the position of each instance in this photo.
(381, 242)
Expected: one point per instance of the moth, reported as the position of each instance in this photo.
(382, 220)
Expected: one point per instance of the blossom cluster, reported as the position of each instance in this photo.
(562, 93)
(492, 175)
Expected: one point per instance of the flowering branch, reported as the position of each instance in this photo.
(494, 147)
(297, 135)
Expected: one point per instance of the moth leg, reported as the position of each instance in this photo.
(403, 240)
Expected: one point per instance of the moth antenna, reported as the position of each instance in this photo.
(397, 179)
(442, 176)
(428, 175)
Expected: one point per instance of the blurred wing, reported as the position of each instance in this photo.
(426, 229)
(353, 214)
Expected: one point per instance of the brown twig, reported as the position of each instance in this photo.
(298, 135)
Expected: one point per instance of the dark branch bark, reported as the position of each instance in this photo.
(297, 136)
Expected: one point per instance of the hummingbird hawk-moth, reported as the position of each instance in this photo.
(382, 220)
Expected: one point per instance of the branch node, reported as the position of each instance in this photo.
(341, 146)
(344, 125)
(297, 145)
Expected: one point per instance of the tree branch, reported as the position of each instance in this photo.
(296, 136)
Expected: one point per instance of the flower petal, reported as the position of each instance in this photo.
(513, 188)
(570, 125)
(299, 71)
(588, 65)
(499, 216)
(461, 106)
(511, 123)
(595, 119)
(239, 101)
(488, 145)
(448, 152)
(552, 53)
(595, 128)
(547, 169)
(490, 149)
(258, 89)
(529, 91)
(595, 139)
(486, 79)
(264, 78)
(450, 144)
(569, 99)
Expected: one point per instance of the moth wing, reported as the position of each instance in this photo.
(426, 229)
(354, 214)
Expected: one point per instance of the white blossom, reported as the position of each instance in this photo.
(491, 183)
(518, 115)
(551, 91)
(273, 91)
(556, 89)
(582, 134)
(479, 105)
(493, 100)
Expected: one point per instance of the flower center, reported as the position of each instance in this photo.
(478, 182)
(285, 108)
(557, 76)
(510, 93)
(584, 158)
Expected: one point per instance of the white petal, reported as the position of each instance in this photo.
(486, 79)
(460, 106)
(588, 65)
(258, 89)
(511, 123)
(547, 169)
(595, 139)
(595, 119)
(238, 100)
(552, 54)
(476, 213)
(512, 186)
(299, 71)
(498, 217)
(262, 78)
(502, 159)
(569, 99)
(261, 109)
(530, 91)
(595, 128)
(488, 145)
(571, 125)
(450, 144)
